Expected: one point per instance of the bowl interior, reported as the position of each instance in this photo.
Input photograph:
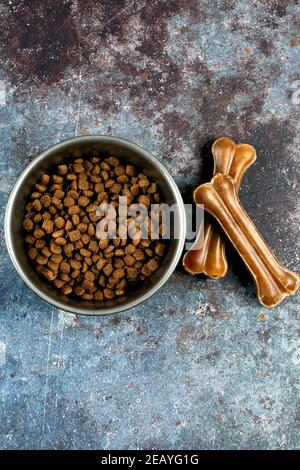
(68, 150)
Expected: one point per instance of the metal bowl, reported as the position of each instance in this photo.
(63, 151)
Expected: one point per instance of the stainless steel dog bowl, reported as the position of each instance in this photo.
(61, 152)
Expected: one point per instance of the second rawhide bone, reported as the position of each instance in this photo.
(273, 281)
(207, 255)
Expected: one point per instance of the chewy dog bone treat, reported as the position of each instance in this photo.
(273, 281)
(209, 257)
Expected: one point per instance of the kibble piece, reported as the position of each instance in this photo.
(40, 243)
(159, 249)
(45, 179)
(59, 222)
(46, 251)
(138, 254)
(132, 273)
(62, 170)
(28, 225)
(74, 210)
(45, 200)
(58, 283)
(32, 253)
(130, 171)
(129, 260)
(69, 201)
(98, 296)
(78, 168)
(38, 233)
(47, 273)
(118, 274)
(146, 271)
(108, 294)
(79, 290)
(66, 289)
(59, 194)
(75, 235)
(53, 266)
(129, 249)
(57, 179)
(56, 249)
(36, 204)
(68, 249)
(108, 269)
(61, 241)
(65, 267)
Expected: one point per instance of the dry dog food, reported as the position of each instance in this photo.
(60, 228)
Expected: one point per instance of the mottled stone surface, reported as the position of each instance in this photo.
(201, 364)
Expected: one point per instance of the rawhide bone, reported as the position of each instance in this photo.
(273, 281)
(207, 255)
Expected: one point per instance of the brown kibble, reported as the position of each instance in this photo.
(129, 249)
(138, 254)
(74, 235)
(41, 188)
(103, 243)
(39, 244)
(55, 248)
(82, 227)
(64, 267)
(32, 253)
(78, 168)
(129, 260)
(66, 289)
(108, 294)
(62, 170)
(46, 251)
(58, 283)
(101, 263)
(144, 183)
(130, 171)
(36, 204)
(87, 296)
(61, 241)
(98, 296)
(85, 238)
(28, 225)
(69, 201)
(92, 207)
(47, 273)
(108, 269)
(44, 179)
(59, 222)
(132, 274)
(74, 210)
(59, 194)
(68, 249)
(159, 249)
(118, 274)
(152, 265)
(146, 271)
(79, 290)
(93, 246)
(45, 200)
(38, 233)
(75, 219)
(53, 266)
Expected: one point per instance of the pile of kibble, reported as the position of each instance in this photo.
(60, 225)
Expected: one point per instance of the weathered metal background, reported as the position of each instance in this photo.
(201, 364)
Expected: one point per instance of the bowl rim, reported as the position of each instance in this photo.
(106, 139)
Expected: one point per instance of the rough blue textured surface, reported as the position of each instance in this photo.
(201, 364)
